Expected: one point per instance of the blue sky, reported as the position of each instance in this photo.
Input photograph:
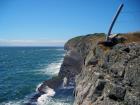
(53, 22)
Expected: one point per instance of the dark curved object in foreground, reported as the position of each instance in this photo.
(114, 20)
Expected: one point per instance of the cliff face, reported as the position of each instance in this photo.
(103, 75)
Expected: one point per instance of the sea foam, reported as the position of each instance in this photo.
(45, 98)
(53, 68)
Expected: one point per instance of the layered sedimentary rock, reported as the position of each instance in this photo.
(102, 73)
(105, 75)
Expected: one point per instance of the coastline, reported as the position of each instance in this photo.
(90, 71)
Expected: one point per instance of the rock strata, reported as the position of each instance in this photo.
(108, 75)
(100, 74)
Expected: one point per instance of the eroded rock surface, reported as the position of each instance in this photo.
(102, 75)
(109, 75)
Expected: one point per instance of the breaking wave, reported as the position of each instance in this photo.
(53, 68)
(51, 101)
(47, 98)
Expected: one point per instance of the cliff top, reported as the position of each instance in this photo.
(98, 37)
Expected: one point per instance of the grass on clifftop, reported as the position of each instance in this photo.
(100, 37)
(85, 38)
(78, 38)
(132, 37)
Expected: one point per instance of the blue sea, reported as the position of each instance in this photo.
(23, 69)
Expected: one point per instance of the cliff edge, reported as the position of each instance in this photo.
(98, 72)
(103, 75)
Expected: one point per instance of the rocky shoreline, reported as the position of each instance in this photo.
(99, 74)
(69, 69)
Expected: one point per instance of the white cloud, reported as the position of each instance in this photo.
(35, 42)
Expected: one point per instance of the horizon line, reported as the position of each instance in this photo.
(29, 46)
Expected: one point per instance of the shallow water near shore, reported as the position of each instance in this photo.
(22, 69)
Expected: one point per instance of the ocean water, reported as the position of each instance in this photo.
(22, 69)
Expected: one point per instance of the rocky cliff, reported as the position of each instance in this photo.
(101, 74)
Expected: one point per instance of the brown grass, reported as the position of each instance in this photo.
(100, 37)
(131, 37)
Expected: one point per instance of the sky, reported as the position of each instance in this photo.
(53, 22)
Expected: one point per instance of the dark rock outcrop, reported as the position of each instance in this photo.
(102, 75)
(71, 66)
(109, 75)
